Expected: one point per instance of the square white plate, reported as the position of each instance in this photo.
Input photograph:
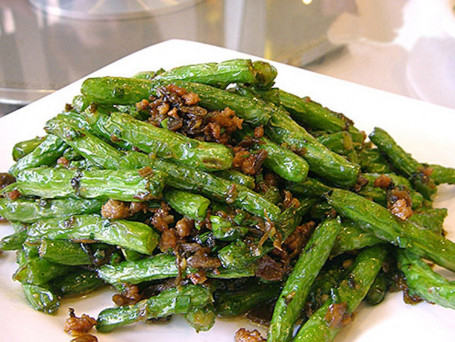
(425, 130)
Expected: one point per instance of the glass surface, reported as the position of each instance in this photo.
(110, 9)
(47, 44)
(41, 52)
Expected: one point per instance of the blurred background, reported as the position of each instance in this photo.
(401, 46)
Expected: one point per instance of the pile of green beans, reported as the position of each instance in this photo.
(345, 216)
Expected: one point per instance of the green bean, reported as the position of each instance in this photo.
(80, 103)
(291, 217)
(321, 327)
(295, 291)
(178, 176)
(41, 298)
(266, 74)
(329, 278)
(90, 146)
(381, 196)
(169, 145)
(240, 255)
(193, 206)
(45, 153)
(327, 164)
(351, 238)
(236, 303)
(425, 282)
(430, 218)
(376, 219)
(231, 273)
(128, 234)
(271, 193)
(252, 111)
(284, 163)
(38, 271)
(172, 301)
(26, 210)
(314, 115)
(404, 162)
(13, 242)
(371, 160)
(148, 75)
(21, 149)
(78, 282)
(132, 255)
(442, 174)
(223, 73)
(311, 187)
(160, 266)
(280, 160)
(237, 177)
(201, 318)
(116, 90)
(217, 188)
(64, 252)
(378, 290)
(225, 230)
(123, 185)
(92, 121)
(283, 130)
(341, 143)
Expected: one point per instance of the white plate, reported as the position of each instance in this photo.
(425, 130)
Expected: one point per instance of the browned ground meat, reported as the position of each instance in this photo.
(114, 209)
(221, 125)
(425, 173)
(182, 113)
(161, 217)
(383, 181)
(190, 247)
(248, 162)
(13, 195)
(85, 338)
(6, 179)
(145, 172)
(399, 203)
(243, 335)
(400, 209)
(270, 269)
(198, 277)
(201, 259)
(184, 227)
(298, 239)
(290, 201)
(62, 161)
(270, 179)
(78, 325)
(190, 99)
(259, 132)
(168, 240)
(337, 315)
(136, 207)
(130, 295)
(361, 182)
